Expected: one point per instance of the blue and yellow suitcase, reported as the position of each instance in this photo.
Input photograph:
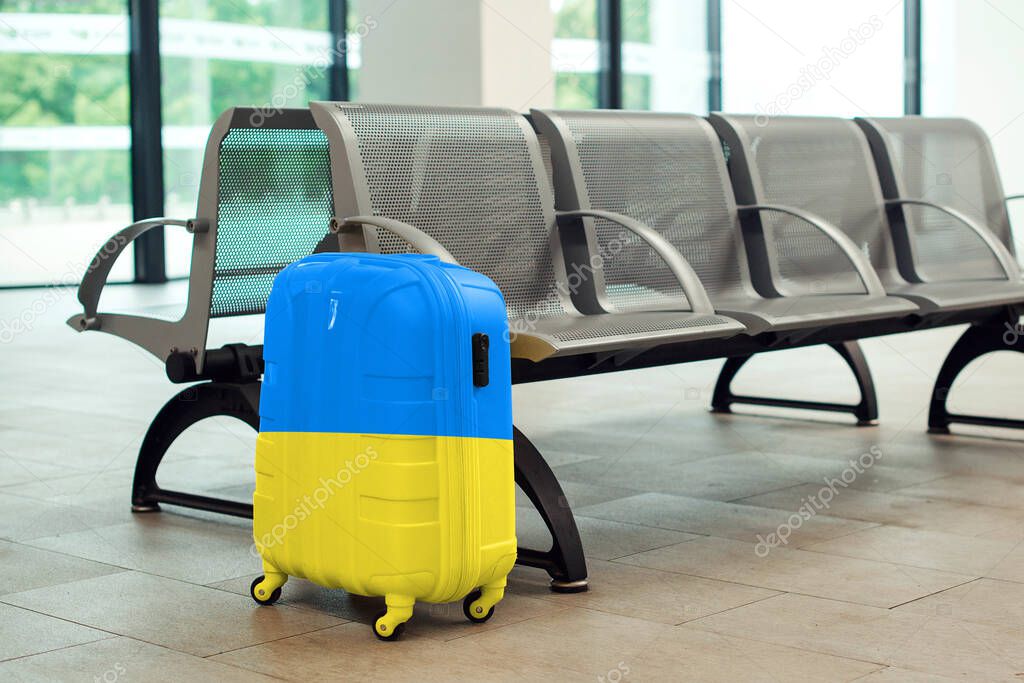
(384, 461)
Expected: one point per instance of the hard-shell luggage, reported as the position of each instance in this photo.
(384, 462)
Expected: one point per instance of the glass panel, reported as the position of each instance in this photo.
(64, 140)
(664, 55)
(575, 54)
(813, 57)
(217, 54)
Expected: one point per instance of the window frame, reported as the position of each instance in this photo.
(145, 97)
(146, 107)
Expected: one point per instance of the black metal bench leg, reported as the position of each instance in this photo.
(976, 342)
(198, 402)
(866, 411)
(564, 561)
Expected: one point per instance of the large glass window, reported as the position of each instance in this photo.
(664, 55)
(575, 54)
(218, 54)
(65, 184)
(812, 57)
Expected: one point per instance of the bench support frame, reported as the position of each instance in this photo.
(564, 561)
(976, 341)
(866, 411)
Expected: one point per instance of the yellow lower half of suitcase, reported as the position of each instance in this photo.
(405, 517)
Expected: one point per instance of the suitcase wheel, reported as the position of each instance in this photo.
(385, 630)
(475, 612)
(261, 596)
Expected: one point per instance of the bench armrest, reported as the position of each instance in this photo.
(1006, 260)
(96, 274)
(410, 233)
(858, 258)
(681, 269)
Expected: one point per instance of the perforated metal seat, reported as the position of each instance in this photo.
(668, 171)
(264, 202)
(948, 165)
(825, 165)
(473, 182)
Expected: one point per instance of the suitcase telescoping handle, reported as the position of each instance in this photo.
(481, 368)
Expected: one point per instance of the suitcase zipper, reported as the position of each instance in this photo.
(465, 474)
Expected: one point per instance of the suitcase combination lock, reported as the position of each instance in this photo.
(481, 371)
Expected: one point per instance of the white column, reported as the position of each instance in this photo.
(516, 49)
(457, 52)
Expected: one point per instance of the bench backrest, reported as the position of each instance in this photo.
(665, 170)
(818, 164)
(472, 179)
(949, 162)
(266, 195)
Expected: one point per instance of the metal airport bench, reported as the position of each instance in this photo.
(920, 196)
(946, 203)
(612, 282)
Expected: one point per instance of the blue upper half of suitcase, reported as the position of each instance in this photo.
(383, 344)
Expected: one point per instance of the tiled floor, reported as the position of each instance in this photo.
(913, 571)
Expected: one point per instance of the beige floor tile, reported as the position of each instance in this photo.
(27, 633)
(943, 646)
(585, 641)
(24, 519)
(899, 509)
(74, 489)
(719, 477)
(663, 597)
(602, 539)
(23, 568)
(726, 520)
(81, 422)
(17, 471)
(1011, 568)
(744, 474)
(352, 652)
(444, 621)
(799, 571)
(693, 655)
(122, 659)
(892, 674)
(167, 545)
(193, 619)
(914, 547)
(962, 488)
(116, 449)
(578, 493)
(986, 601)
